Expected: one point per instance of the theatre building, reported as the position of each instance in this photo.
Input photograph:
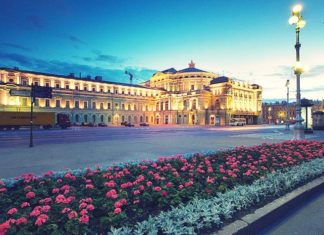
(189, 96)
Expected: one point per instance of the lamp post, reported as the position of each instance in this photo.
(269, 112)
(297, 20)
(287, 111)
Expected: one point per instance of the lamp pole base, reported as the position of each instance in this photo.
(299, 133)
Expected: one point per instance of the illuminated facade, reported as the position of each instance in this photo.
(190, 97)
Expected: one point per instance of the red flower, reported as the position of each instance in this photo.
(21, 220)
(136, 192)
(24, 204)
(90, 207)
(65, 210)
(112, 194)
(110, 184)
(169, 184)
(117, 204)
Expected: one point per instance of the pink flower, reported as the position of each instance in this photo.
(157, 189)
(72, 214)
(89, 186)
(27, 188)
(88, 200)
(4, 227)
(117, 204)
(12, 211)
(46, 208)
(164, 194)
(35, 212)
(55, 190)
(21, 220)
(112, 194)
(30, 195)
(169, 184)
(90, 207)
(180, 186)
(2, 190)
(83, 212)
(24, 204)
(45, 200)
(59, 180)
(136, 201)
(123, 201)
(60, 198)
(83, 205)
(189, 183)
(65, 210)
(84, 219)
(41, 219)
(117, 211)
(110, 184)
(148, 183)
(136, 192)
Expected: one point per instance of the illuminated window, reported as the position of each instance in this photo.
(67, 104)
(76, 104)
(47, 103)
(57, 103)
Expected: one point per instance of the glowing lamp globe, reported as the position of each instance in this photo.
(297, 8)
(293, 20)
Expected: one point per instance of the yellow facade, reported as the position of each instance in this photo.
(189, 97)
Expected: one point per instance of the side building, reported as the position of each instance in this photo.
(189, 96)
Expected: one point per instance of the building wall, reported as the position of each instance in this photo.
(181, 98)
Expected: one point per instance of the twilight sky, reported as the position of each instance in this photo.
(247, 39)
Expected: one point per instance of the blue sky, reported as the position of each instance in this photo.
(248, 39)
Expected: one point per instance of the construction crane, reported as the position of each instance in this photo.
(130, 77)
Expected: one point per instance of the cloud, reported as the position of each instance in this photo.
(315, 71)
(34, 22)
(61, 67)
(15, 46)
(106, 58)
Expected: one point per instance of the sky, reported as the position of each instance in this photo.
(246, 39)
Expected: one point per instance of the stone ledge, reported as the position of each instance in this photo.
(254, 222)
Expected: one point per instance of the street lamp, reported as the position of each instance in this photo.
(297, 20)
(269, 112)
(287, 111)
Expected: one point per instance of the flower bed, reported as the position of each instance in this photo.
(96, 200)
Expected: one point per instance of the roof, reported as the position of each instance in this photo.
(170, 70)
(75, 78)
(190, 70)
(219, 80)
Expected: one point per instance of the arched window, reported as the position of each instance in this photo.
(157, 106)
(77, 118)
(129, 107)
(184, 104)
(129, 118)
(85, 118)
(94, 118)
(135, 119)
(102, 118)
(141, 118)
(109, 118)
(123, 118)
(161, 106)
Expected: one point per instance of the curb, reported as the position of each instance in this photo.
(262, 217)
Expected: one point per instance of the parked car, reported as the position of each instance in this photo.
(144, 124)
(123, 123)
(101, 124)
(129, 125)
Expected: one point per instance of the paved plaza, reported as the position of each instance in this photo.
(103, 146)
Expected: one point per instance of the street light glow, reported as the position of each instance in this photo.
(297, 8)
(293, 20)
(301, 23)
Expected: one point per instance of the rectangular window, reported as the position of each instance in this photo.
(93, 89)
(109, 106)
(67, 87)
(76, 88)
(57, 103)
(24, 83)
(76, 104)
(47, 84)
(85, 88)
(85, 104)
(94, 105)
(116, 91)
(36, 83)
(57, 85)
(36, 102)
(24, 101)
(101, 90)
(67, 104)
(192, 87)
(123, 106)
(47, 103)
(101, 106)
